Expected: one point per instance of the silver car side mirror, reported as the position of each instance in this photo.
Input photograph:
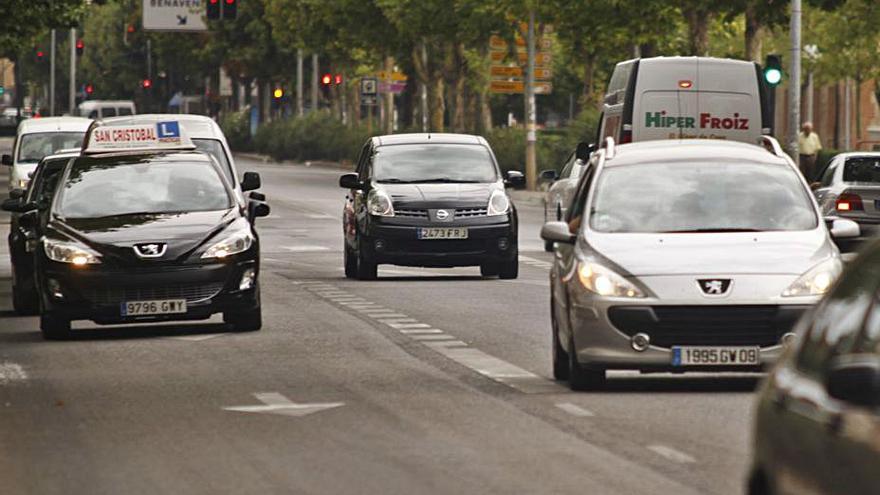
(841, 228)
(557, 232)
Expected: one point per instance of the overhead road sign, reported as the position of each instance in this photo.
(174, 15)
(542, 59)
(508, 71)
(518, 87)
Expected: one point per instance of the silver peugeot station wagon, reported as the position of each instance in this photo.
(686, 255)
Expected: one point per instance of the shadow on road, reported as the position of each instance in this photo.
(434, 278)
(667, 383)
(118, 332)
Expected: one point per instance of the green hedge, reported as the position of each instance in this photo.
(236, 127)
(315, 136)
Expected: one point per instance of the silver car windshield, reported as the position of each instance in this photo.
(701, 197)
(456, 163)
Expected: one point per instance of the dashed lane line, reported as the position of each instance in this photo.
(671, 454)
(11, 372)
(534, 262)
(438, 340)
(575, 410)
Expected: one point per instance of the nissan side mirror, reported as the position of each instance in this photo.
(855, 379)
(250, 181)
(557, 232)
(549, 175)
(6, 160)
(350, 181)
(514, 179)
(584, 151)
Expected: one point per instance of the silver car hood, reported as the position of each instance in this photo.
(791, 253)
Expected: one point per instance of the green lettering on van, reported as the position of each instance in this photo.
(654, 120)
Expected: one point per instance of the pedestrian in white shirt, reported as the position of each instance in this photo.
(809, 146)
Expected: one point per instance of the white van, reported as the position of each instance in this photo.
(686, 98)
(99, 109)
(37, 138)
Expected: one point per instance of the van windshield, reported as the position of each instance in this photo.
(700, 197)
(455, 163)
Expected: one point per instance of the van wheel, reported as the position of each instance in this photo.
(350, 262)
(580, 378)
(367, 269)
(54, 327)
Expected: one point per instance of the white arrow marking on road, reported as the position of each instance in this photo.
(276, 403)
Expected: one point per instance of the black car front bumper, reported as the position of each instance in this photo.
(97, 292)
(491, 240)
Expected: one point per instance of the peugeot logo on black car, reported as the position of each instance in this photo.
(151, 250)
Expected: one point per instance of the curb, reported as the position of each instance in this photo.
(308, 163)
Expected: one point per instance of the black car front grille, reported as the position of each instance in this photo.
(410, 213)
(668, 326)
(192, 292)
(471, 212)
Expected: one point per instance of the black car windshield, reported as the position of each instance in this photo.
(215, 149)
(101, 189)
(862, 169)
(33, 147)
(440, 163)
(701, 197)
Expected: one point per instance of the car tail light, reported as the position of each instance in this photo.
(849, 202)
(626, 135)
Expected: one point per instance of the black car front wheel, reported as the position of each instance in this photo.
(54, 327)
(367, 269)
(245, 321)
(509, 269)
(24, 301)
(350, 261)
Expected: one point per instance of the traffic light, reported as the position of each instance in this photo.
(147, 83)
(80, 46)
(39, 55)
(230, 9)
(278, 93)
(338, 79)
(327, 79)
(2, 91)
(130, 28)
(89, 89)
(773, 70)
(212, 10)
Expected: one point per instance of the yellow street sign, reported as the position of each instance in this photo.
(498, 43)
(541, 58)
(395, 76)
(518, 87)
(507, 71)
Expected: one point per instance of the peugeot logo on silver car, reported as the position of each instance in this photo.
(150, 250)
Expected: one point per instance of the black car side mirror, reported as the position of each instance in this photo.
(549, 175)
(257, 196)
(250, 181)
(11, 204)
(514, 179)
(17, 193)
(6, 160)
(584, 151)
(28, 219)
(260, 209)
(855, 379)
(350, 181)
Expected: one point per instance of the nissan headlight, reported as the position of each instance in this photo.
(379, 204)
(231, 244)
(499, 203)
(70, 252)
(817, 280)
(605, 282)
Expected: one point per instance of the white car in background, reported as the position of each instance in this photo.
(38, 138)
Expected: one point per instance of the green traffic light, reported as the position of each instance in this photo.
(773, 76)
(2, 91)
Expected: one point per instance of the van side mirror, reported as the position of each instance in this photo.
(514, 179)
(557, 232)
(584, 151)
(855, 379)
(549, 175)
(6, 160)
(250, 181)
(350, 181)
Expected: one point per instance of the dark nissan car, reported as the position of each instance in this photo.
(148, 237)
(429, 200)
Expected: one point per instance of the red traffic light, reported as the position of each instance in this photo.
(79, 47)
(40, 54)
(89, 89)
(130, 28)
(327, 79)
(338, 79)
(147, 83)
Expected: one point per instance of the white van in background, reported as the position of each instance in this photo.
(685, 98)
(99, 109)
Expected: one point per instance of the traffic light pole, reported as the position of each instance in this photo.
(531, 137)
(52, 74)
(299, 82)
(72, 97)
(794, 85)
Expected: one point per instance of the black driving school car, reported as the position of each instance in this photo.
(143, 229)
(429, 200)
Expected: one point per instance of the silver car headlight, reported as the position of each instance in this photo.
(817, 280)
(70, 252)
(235, 243)
(499, 203)
(605, 282)
(379, 204)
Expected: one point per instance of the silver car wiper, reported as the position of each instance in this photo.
(709, 230)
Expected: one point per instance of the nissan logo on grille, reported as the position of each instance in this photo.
(714, 286)
(150, 250)
(442, 214)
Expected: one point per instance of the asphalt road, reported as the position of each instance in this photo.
(425, 381)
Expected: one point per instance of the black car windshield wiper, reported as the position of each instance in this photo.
(137, 214)
(447, 180)
(710, 230)
(394, 180)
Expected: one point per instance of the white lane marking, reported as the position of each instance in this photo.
(197, 337)
(11, 372)
(448, 345)
(305, 249)
(671, 454)
(546, 265)
(317, 216)
(575, 410)
(275, 403)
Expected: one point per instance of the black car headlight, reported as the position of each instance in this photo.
(70, 252)
(230, 244)
(499, 203)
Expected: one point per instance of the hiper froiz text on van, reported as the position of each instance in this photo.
(686, 98)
